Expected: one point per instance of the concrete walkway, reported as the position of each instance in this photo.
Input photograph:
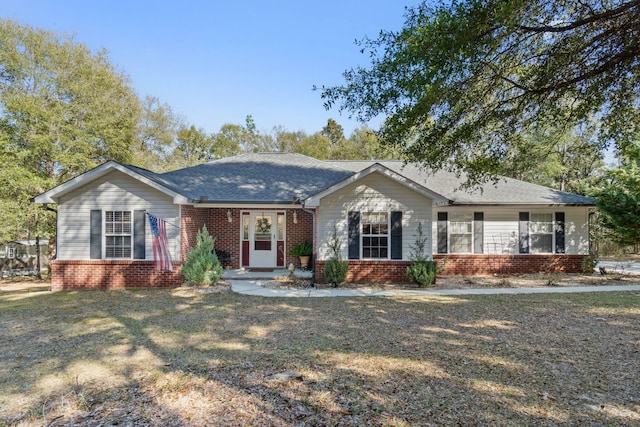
(252, 283)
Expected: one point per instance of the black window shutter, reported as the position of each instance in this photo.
(138, 235)
(95, 239)
(478, 232)
(396, 235)
(524, 233)
(559, 231)
(354, 235)
(442, 232)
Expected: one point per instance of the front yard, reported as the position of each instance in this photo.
(184, 357)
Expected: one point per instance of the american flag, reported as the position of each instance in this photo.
(161, 254)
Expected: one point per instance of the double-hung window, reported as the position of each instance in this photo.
(118, 234)
(375, 235)
(541, 232)
(460, 233)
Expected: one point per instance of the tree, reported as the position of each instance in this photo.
(460, 81)
(566, 160)
(193, 147)
(619, 204)
(286, 141)
(63, 110)
(334, 132)
(316, 145)
(157, 134)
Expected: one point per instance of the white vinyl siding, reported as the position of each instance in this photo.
(501, 226)
(112, 192)
(373, 193)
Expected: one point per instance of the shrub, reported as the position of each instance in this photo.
(202, 266)
(422, 272)
(335, 269)
(589, 264)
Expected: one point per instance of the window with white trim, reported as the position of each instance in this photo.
(460, 233)
(541, 233)
(375, 235)
(117, 234)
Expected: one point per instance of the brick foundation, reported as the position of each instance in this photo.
(395, 271)
(111, 274)
(508, 264)
(370, 271)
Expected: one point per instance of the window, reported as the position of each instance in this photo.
(541, 232)
(375, 235)
(11, 252)
(117, 232)
(460, 233)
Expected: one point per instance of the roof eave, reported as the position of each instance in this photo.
(314, 200)
(53, 195)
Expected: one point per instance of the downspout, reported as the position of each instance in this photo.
(313, 243)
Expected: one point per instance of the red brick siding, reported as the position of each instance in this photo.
(394, 271)
(111, 274)
(297, 233)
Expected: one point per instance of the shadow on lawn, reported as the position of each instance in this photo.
(178, 357)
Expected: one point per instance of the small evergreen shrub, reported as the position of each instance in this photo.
(202, 266)
(421, 271)
(335, 269)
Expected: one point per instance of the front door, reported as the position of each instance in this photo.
(263, 239)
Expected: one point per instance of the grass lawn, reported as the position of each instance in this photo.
(182, 357)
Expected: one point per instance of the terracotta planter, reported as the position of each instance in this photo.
(304, 261)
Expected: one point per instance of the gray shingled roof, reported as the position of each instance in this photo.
(280, 177)
(505, 191)
(258, 178)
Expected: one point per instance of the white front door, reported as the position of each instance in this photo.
(262, 239)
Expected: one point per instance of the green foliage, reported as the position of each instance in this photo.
(302, 249)
(335, 269)
(589, 264)
(461, 81)
(422, 272)
(201, 266)
(63, 110)
(619, 203)
(419, 246)
(156, 136)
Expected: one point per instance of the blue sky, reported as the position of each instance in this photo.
(215, 62)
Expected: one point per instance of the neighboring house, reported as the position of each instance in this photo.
(258, 206)
(24, 257)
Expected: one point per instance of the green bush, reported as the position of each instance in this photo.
(589, 264)
(422, 273)
(202, 266)
(335, 271)
(302, 249)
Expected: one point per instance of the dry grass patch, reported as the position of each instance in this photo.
(188, 357)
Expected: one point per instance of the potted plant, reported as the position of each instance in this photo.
(304, 251)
